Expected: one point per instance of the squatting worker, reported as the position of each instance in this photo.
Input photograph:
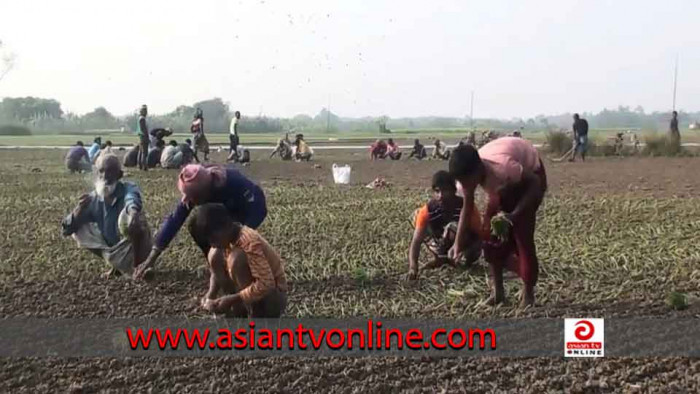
(303, 150)
(378, 150)
(440, 151)
(418, 151)
(187, 152)
(392, 150)
(78, 159)
(244, 200)
(110, 221)
(171, 156)
(437, 221)
(153, 158)
(242, 265)
(283, 149)
(511, 173)
(94, 148)
(131, 158)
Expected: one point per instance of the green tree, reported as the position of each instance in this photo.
(216, 115)
(327, 120)
(25, 109)
(99, 118)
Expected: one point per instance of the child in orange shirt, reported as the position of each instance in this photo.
(438, 219)
(242, 264)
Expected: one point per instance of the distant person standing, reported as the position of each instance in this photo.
(233, 137)
(673, 129)
(144, 140)
(580, 137)
(200, 140)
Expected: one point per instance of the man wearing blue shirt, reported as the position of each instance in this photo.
(244, 200)
(110, 221)
(94, 148)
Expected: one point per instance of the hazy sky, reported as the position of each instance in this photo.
(399, 58)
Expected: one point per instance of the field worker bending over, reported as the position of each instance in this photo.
(283, 150)
(438, 220)
(110, 221)
(511, 172)
(78, 159)
(158, 135)
(242, 265)
(244, 200)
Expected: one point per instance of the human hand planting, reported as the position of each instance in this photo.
(454, 253)
(83, 203)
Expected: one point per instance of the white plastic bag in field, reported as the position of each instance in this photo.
(341, 175)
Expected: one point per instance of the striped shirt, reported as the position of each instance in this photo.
(266, 266)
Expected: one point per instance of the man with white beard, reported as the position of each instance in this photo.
(110, 221)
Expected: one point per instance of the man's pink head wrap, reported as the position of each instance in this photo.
(193, 181)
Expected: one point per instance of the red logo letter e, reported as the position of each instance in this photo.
(586, 332)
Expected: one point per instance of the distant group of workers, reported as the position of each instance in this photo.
(298, 150)
(152, 151)
(79, 159)
(381, 149)
(390, 150)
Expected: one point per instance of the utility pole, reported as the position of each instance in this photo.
(471, 111)
(675, 82)
(328, 115)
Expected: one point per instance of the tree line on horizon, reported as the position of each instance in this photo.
(25, 115)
